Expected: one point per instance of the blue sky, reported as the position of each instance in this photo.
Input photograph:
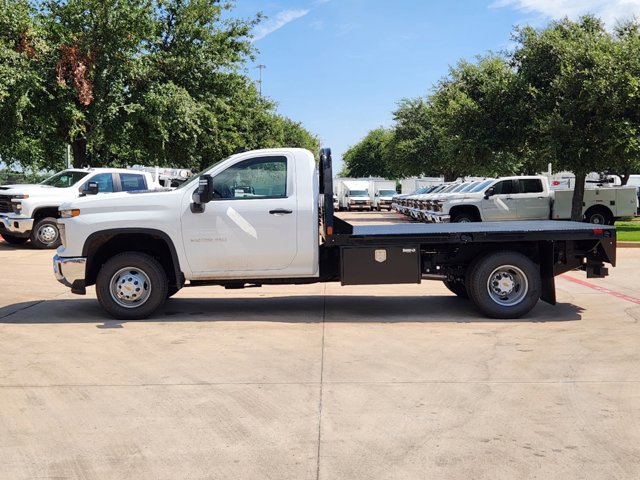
(341, 66)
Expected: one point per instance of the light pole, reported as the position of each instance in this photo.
(260, 67)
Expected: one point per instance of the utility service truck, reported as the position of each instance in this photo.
(252, 220)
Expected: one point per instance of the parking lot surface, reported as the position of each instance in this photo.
(318, 381)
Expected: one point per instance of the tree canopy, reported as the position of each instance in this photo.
(145, 81)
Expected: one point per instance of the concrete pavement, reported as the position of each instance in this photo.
(318, 381)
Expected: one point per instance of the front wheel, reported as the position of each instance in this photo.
(131, 286)
(504, 284)
(45, 233)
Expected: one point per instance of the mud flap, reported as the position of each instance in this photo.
(548, 293)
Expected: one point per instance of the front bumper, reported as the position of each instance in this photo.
(17, 225)
(437, 217)
(71, 272)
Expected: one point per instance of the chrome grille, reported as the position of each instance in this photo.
(5, 204)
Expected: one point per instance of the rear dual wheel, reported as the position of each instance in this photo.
(504, 284)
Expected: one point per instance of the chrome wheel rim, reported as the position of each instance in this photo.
(507, 285)
(464, 220)
(47, 234)
(598, 219)
(130, 287)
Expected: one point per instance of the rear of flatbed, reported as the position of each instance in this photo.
(503, 267)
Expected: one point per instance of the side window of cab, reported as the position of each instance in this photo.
(131, 182)
(104, 181)
(530, 185)
(503, 188)
(264, 177)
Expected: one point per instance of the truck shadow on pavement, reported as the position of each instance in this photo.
(5, 246)
(286, 309)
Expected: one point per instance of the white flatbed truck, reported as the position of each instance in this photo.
(266, 217)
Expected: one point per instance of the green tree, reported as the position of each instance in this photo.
(368, 158)
(414, 148)
(143, 81)
(477, 119)
(470, 124)
(570, 70)
(627, 79)
(24, 135)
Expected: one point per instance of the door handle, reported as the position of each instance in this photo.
(280, 211)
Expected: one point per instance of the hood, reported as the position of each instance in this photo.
(24, 188)
(127, 201)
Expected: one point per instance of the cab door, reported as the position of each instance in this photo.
(501, 204)
(532, 201)
(250, 227)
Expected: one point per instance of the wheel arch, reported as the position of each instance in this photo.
(43, 212)
(102, 245)
(600, 208)
(472, 209)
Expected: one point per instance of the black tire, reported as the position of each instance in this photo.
(45, 233)
(131, 286)
(599, 216)
(516, 296)
(14, 240)
(464, 217)
(458, 288)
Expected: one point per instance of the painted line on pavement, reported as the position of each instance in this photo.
(593, 286)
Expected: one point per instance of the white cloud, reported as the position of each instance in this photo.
(280, 20)
(610, 11)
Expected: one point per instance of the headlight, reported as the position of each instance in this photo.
(71, 212)
(20, 197)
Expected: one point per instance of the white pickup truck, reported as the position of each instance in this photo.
(529, 198)
(252, 220)
(30, 212)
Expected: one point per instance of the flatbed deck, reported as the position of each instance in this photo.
(532, 230)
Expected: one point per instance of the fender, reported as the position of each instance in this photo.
(100, 238)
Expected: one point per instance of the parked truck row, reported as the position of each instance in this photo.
(252, 220)
(514, 198)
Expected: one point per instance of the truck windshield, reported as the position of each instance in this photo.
(480, 186)
(358, 193)
(387, 193)
(64, 179)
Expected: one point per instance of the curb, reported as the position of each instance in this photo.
(628, 244)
